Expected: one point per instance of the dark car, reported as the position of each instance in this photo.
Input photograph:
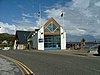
(98, 49)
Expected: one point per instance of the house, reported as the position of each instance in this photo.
(50, 36)
(22, 39)
(5, 42)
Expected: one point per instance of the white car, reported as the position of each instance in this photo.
(6, 48)
(94, 49)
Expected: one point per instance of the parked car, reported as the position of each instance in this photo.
(6, 48)
(94, 49)
(99, 49)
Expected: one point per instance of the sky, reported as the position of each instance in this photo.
(81, 17)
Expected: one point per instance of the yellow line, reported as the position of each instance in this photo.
(20, 69)
(16, 62)
(25, 68)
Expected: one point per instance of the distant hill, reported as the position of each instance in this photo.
(75, 38)
(6, 36)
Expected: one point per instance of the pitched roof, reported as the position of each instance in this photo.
(23, 36)
(51, 28)
(48, 23)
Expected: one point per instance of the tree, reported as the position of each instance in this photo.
(8, 37)
(83, 42)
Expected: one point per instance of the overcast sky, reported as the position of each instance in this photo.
(81, 17)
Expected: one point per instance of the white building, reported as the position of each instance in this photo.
(51, 36)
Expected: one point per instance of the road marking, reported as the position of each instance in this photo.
(23, 66)
(20, 69)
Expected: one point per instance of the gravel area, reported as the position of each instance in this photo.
(8, 68)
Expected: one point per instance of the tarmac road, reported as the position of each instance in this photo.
(42, 63)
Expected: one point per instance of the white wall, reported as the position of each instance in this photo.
(63, 39)
(14, 45)
(41, 36)
(40, 45)
(20, 46)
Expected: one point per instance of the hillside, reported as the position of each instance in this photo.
(6, 36)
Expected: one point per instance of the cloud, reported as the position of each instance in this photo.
(97, 3)
(20, 6)
(26, 15)
(82, 4)
(40, 22)
(7, 28)
(55, 13)
(23, 20)
(80, 17)
(25, 24)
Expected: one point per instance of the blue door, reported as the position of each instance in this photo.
(52, 42)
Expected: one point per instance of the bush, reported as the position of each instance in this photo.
(6, 45)
(3, 45)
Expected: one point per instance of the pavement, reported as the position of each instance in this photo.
(8, 68)
(66, 52)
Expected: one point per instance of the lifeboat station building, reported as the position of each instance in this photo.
(51, 36)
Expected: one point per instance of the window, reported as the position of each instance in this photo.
(52, 28)
(52, 41)
(40, 40)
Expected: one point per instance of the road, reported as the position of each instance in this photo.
(9, 68)
(42, 63)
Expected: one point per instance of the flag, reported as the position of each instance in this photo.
(62, 14)
(38, 14)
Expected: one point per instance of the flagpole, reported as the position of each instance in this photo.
(63, 20)
(40, 14)
(63, 16)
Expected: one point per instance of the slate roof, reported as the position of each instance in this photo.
(37, 29)
(23, 36)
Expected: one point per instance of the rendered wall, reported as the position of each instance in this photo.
(63, 39)
(14, 45)
(20, 46)
(41, 36)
